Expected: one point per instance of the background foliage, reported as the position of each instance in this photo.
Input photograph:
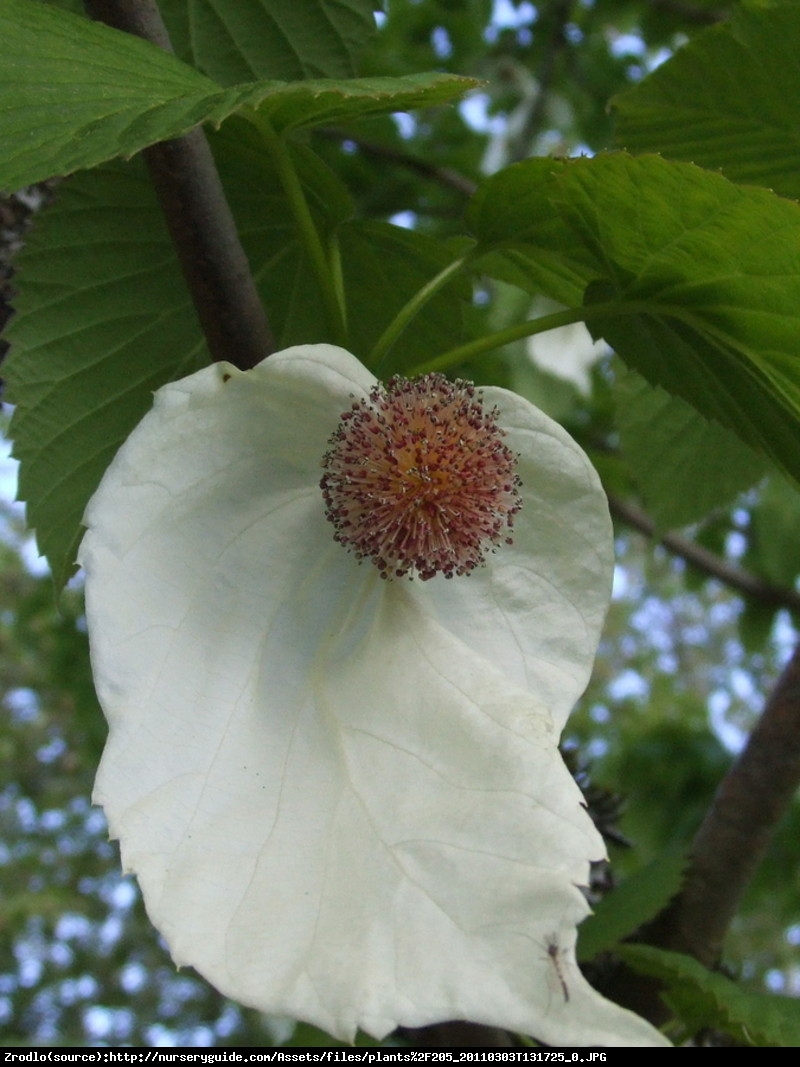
(692, 277)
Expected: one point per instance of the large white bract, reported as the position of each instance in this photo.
(342, 795)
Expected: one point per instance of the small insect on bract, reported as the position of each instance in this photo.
(554, 952)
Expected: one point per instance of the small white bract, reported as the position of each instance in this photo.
(342, 795)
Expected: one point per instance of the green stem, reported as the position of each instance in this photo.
(337, 275)
(331, 294)
(413, 307)
(533, 326)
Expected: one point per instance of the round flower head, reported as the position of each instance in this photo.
(342, 796)
(418, 478)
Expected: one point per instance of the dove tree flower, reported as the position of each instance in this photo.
(335, 692)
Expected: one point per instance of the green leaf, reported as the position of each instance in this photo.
(694, 281)
(246, 40)
(684, 465)
(74, 93)
(703, 999)
(755, 625)
(302, 105)
(634, 902)
(730, 99)
(527, 242)
(104, 319)
(277, 256)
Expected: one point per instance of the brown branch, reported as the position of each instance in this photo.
(732, 841)
(700, 16)
(198, 217)
(750, 803)
(445, 176)
(560, 14)
(707, 563)
(735, 834)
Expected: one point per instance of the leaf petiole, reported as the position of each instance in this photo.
(414, 306)
(531, 327)
(324, 271)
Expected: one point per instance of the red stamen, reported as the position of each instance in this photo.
(418, 480)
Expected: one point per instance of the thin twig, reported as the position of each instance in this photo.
(560, 13)
(706, 562)
(198, 217)
(701, 16)
(445, 176)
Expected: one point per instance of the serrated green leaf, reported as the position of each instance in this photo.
(722, 378)
(74, 93)
(246, 40)
(684, 465)
(101, 291)
(634, 902)
(527, 242)
(693, 280)
(730, 99)
(317, 103)
(705, 999)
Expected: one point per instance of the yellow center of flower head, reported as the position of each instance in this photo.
(417, 478)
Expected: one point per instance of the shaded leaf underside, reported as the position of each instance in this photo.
(693, 280)
(728, 100)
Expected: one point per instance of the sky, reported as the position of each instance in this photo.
(10, 510)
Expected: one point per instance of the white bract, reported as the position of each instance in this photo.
(341, 794)
(568, 352)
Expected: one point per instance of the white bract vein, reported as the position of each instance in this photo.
(342, 795)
